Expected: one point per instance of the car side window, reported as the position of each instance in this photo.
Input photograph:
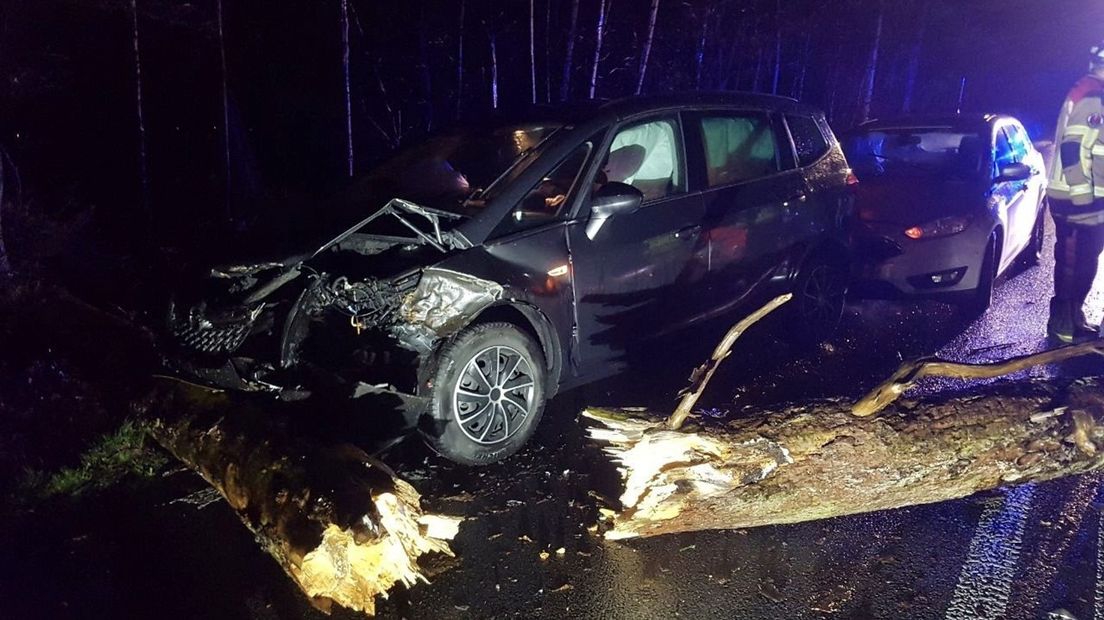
(1017, 138)
(548, 198)
(739, 147)
(1003, 154)
(808, 139)
(648, 157)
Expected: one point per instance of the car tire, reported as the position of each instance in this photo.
(487, 391)
(1032, 254)
(982, 297)
(819, 297)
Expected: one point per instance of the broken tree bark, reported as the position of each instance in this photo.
(340, 523)
(817, 460)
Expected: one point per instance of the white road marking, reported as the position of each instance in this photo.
(985, 583)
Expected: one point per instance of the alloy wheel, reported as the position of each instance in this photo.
(493, 395)
(824, 296)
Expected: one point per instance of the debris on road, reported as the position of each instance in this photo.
(828, 458)
(339, 523)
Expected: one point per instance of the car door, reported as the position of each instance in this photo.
(1025, 206)
(633, 273)
(1015, 213)
(753, 200)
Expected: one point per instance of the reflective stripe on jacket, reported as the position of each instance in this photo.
(1077, 172)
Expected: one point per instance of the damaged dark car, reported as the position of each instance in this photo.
(496, 264)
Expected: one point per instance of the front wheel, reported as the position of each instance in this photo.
(487, 394)
(819, 297)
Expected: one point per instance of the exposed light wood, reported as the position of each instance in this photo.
(819, 460)
(340, 523)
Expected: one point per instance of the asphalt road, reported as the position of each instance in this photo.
(1024, 552)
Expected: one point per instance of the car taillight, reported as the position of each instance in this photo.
(914, 233)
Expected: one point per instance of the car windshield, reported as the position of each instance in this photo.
(446, 169)
(916, 151)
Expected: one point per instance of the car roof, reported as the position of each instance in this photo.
(609, 110)
(975, 122)
(630, 106)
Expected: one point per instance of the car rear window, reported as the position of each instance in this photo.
(916, 152)
(739, 147)
(808, 139)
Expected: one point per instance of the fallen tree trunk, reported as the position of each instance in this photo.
(817, 460)
(340, 523)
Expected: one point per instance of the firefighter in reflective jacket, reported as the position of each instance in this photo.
(1076, 195)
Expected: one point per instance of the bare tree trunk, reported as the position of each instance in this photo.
(532, 55)
(143, 164)
(460, 60)
(777, 46)
(569, 54)
(348, 87)
(603, 14)
(871, 75)
(5, 264)
(494, 74)
(799, 92)
(758, 69)
(699, 56)
(339, 523)
(423, 69)
(228, 206)
(914, 60)
(547, 52)
(817, 460)
(835, 82)
(647, 47)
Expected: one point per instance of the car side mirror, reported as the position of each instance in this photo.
(1015, 172)
(611, 200)
(615, 199)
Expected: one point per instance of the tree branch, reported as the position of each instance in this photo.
(702, 374)
(910, 372)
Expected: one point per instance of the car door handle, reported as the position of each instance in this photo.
(689, 232)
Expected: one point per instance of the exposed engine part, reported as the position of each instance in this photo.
(369, 302)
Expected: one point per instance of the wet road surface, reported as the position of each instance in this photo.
(1024, 552)
(525, 550)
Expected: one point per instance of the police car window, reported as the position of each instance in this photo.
(808, 139)
(739, 147)
(1003, 155)
(1017, 139)
(646, 156)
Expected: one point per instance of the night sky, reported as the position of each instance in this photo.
(70, 107)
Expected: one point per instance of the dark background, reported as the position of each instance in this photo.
(69, 106)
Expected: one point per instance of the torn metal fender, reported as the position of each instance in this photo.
(445, 301)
